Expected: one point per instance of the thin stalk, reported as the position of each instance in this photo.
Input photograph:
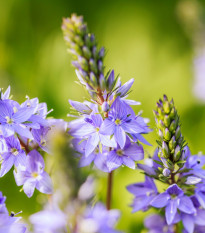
(109, 190)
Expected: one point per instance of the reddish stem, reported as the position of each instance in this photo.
(109, 190)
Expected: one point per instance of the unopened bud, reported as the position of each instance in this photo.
(177, 133)
(177, 153)
(166, 107)
(166, 120)
(86, 52)
(166, 172)
(165, 149)
(172, 143)
(173, 126)
(167, 134)
(105, 106)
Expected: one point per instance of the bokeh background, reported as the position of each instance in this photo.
(159, 43)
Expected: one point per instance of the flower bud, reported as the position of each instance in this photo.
(167, 134)
(166, 120)
(166, 172)
(172, 143)
(177, 153)
(166, 107)
(105, 107)
(93, 79)
(102, 82)
(173, 126)
(86, 52)
(165, 149)
(177, 133)
(93, 65)
(160, 133)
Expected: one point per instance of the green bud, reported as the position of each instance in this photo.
(160, 133)
(173, 126)
(166, 120)
(93, 79)
(86, 52)
(172, 113)
(165, 149)
(166, 106)
(78, 40)
(84, 64)
(167, 134)
(177, 153)
(172, 143)
(93, 66)
(178, 133)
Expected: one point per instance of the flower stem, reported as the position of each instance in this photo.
(109, 190)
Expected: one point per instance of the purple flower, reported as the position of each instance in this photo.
(13, 117)
(120, 122)
(200, 194)
(49, 220)
(90, 130)
(14, 155)
(144, 194)
(33, 176)
(98, 220)
(123, 90)
(99, 158)
(6, 94)
(172, 199)
(191, 221)
(127, 156)
(157, 224)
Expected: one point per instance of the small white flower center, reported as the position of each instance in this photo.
(15, 109)
(8, 120)
(14, 151)
(43, 142)
(34, 174)
(117, 121)
(119, 152)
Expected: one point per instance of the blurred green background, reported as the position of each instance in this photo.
(153, 41)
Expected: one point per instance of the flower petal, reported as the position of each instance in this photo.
(44, 185)
(29, 187)
(7, 164)
(128, 162)
(107, 127)
(120, 136)
(91, 144)
(23, 131)
(160, 201)
(171, 210)
(186, 205)
(188, 222)
(135, 152)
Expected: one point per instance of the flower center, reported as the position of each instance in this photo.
(173, 196)
(119, 152)
(96, 151)
(14, 151)
(8, 120)
(43, 142)
(117, 121)
(97, 129)
(35, 174)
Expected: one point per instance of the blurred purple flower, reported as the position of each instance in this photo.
(143, 194)
(172, 199)
(33, 176)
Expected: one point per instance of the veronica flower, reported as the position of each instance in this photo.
(33, 176)
(127, 156)
(119, 122)
(14, 155)
(191, 220)
(172, 199)
(90, 130)
(6, 94)
(12, 119)
(97, 157)
(157, 224)
(98, 220)
(143, 194)
(49, 220)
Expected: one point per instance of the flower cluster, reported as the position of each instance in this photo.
(24, 130)
(106, 131)
(173, 165)
(9, 223)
